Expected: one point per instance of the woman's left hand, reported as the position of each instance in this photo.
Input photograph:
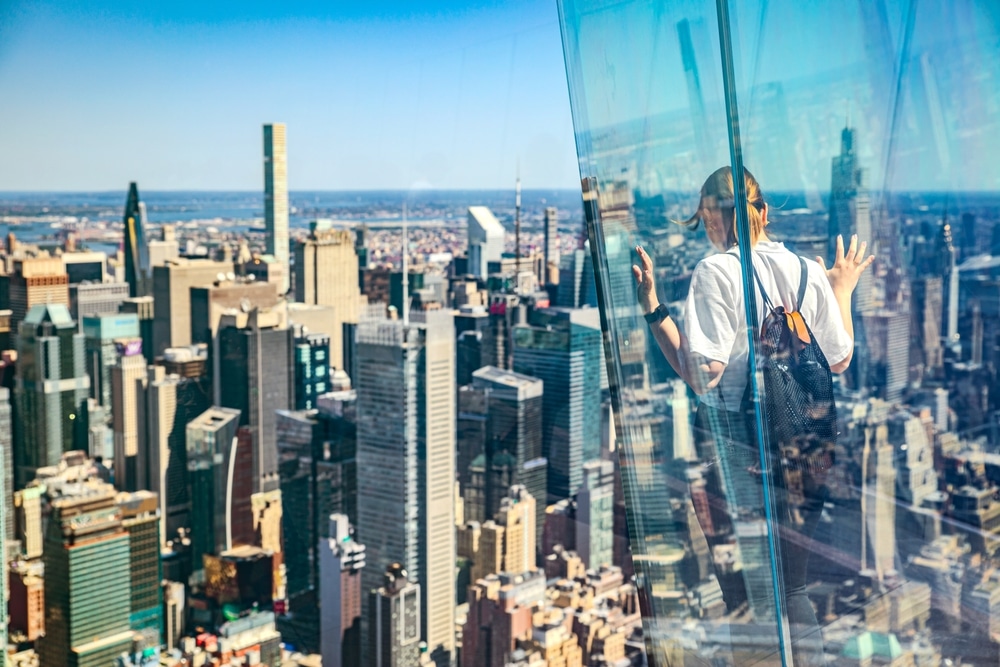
(645, 283)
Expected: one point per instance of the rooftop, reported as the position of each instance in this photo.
(488, 222)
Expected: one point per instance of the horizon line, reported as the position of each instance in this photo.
(444, 190)
(261, 191)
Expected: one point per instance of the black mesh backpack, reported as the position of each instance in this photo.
(796, 394)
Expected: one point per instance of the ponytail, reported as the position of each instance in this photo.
(719, 186)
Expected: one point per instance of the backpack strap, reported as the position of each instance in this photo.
(803, 281)
(760, 286)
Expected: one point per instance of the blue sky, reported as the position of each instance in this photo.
(375, 94)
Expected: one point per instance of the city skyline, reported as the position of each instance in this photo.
(428, 425)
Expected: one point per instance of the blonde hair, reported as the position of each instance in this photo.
(719, 186)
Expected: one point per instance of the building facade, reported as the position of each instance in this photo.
(87, 591)
(136, 253)
(128, 380)
(562, 347)
(255, 357)
(341, 562)
(172, 283)
(50, 393)
(406, 454)
(276, 195)
(326, 274)
(395, 619)
(211, 447)
(141, 520)
(312, 369)
(500, 441)
(101, 332)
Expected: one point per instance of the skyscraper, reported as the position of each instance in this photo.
(172, 285)
(27, 599)
(312, 368)
(50, 398)
(87, 580)
(164, 248)
(170, 402)
(141, 520)
(551, 245)
(517, 516)
(255, 359)
(35, 281)
(316, 452)
(6, 468)
(142, 307)
(878, 500)
(276, 195)
(127, 377)
(209, 302)
(211, 446)
(6, 508)
(173, 613)
(136, 252)
(394, 621)
(595, 514)
(948, 266)
(266, 513)
(485, 241)
(341, 562)
(849, 210)
(96, 298)
(83, 266)
(101, 332)
(406, 454)
(562, 347)
(888, 353)
(926, 319)
(326, 274)
(500, 420)
(576, 280)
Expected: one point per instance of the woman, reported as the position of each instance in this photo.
(710, 352)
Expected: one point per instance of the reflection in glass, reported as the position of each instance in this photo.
(879, 119)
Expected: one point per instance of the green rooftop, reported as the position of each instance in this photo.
(873, 644)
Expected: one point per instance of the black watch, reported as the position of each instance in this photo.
(658, 315)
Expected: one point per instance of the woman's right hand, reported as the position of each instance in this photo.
(847, 267)
(645, 283)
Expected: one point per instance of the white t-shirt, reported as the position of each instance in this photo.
(715, 318)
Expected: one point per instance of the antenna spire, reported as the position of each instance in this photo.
(406, 273)
(517, 218)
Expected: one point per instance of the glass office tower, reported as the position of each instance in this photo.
(879, 119)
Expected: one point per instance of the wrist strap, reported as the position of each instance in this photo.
(658, 315)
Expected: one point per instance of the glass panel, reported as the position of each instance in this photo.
(861, 122)
(867, 539)
(646, 93)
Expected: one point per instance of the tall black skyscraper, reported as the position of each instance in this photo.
(255, 365)
(136, 252)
